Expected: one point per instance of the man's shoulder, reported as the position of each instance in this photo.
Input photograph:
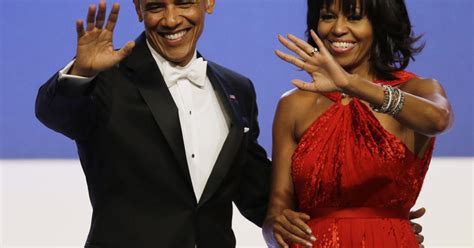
(227, 73)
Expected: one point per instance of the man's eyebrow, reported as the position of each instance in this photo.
(185, 1)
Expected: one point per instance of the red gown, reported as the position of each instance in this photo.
(356, 180)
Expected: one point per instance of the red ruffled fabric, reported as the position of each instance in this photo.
(357, 180)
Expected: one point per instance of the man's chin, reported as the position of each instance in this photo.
(179, 59)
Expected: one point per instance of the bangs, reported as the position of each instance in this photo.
(348, 7)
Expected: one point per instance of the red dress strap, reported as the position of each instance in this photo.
(401, 77)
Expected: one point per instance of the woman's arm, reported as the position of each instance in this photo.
(426, 110)
(283, 225)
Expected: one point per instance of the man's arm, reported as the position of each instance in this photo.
(65, 107)
(254, 189)
(65, 103)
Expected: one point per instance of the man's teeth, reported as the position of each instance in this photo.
(175, 36)
(340, 44)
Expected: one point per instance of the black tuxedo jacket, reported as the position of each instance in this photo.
(126, 127)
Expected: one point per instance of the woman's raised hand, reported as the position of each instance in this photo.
(95, 51)
(327, 74)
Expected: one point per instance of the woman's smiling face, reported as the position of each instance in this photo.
(348, 37)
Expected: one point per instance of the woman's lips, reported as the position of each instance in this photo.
(341, 47)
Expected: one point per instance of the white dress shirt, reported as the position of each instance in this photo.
(204, 123)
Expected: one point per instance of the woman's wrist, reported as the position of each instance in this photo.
(350, 86)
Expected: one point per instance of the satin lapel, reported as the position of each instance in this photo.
(231, 145)
(154, 91)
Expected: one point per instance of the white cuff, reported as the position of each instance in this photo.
(77, 80)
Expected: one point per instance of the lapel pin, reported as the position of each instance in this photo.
(232, 97)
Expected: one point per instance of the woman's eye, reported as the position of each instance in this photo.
(326, 17)
(354, 17)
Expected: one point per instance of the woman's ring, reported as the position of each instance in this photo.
(315, 50)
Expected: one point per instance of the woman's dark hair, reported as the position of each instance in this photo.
(393, 41)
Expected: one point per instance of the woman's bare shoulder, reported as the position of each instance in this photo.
(298, 98)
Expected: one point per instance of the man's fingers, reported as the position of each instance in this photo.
(420, 238)
(417, 214)
(80, 28)
(126, 50)
(417, 228)
(113, 17)
(100, 18)
(91, 17)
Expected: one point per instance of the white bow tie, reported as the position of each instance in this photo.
(195, 72)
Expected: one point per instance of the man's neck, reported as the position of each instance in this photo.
(162, 60)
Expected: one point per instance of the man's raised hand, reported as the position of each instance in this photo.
(95, 49)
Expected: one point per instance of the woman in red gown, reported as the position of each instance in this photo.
(352, 147)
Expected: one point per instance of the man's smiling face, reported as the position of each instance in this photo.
(173, 27)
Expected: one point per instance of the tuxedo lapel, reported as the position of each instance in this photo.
(231, 145)
(154, 91)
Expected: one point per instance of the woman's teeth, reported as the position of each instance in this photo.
(342, 45)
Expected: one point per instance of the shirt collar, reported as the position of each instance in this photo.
(160, 61)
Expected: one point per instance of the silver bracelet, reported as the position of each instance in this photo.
(399, 105)
(388, 94)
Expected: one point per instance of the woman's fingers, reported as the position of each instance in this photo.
(296, 61)
(288, 224)
(288, 236)
(318, 42)
(302, 85)
(293, 47)
(303, 45)
(281, 242)
(301, 225)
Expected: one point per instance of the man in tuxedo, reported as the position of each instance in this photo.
(166, 139)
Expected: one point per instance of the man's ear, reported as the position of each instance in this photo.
(210, 6)
(138, 9)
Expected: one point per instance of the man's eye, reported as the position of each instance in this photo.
(185, 3)
(154, 8)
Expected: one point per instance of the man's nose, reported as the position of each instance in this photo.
(171, 18)
(340, 26)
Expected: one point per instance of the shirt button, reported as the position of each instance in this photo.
(193, 156)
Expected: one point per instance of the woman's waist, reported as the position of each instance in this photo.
(359, 213)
